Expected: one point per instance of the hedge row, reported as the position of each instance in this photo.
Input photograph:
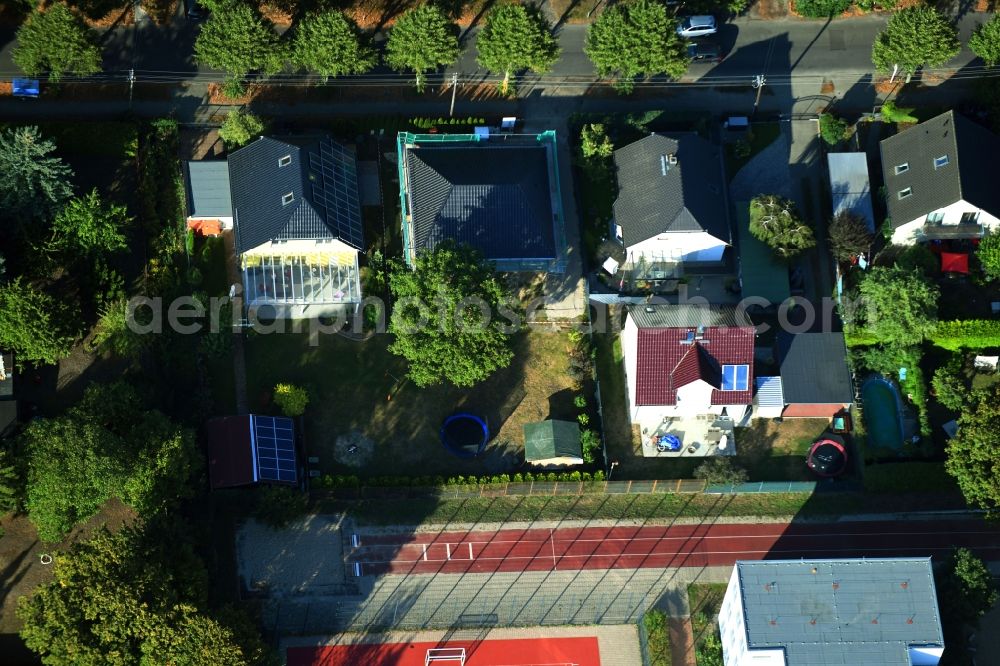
(950, 335)
(351, 481)
(967, 333)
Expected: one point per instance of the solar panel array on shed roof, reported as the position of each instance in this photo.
(825, 612)
(274, 443)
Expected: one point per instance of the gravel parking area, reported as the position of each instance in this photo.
(307, 557)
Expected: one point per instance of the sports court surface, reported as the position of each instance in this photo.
(660, 546)
(566, 651)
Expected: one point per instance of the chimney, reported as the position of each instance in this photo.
(671, 159)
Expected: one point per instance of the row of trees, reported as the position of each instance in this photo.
(627, 41)
(922, 36)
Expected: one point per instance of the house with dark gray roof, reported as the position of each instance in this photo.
(499, 194)
(671, 208)
(939, 179)
(831, 612)
(815, 379)
(292, 206)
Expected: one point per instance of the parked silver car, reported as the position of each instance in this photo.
(697, 26)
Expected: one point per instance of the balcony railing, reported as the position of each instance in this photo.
(938, 231)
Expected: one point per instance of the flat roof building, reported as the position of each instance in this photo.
(831, 612)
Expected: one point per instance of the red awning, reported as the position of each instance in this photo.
(954, 262)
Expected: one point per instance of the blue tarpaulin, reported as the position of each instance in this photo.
(25, 87)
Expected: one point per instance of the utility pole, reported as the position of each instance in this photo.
(758, 82)
(131, 83)
(454, 89)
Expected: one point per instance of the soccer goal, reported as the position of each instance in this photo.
(445, 656)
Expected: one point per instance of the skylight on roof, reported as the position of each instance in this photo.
(940, 161)
(287, 198)
(284, 161)
(735, 377)
(902, 168)
(902, 194)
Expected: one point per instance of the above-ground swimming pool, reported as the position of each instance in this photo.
(465, 435)
(883, 415)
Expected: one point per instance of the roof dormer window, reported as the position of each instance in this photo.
(287, 198)
(284, 161)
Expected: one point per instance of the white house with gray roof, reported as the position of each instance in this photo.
(831, 613)
(671, 208)
(940, 182)
(293, 206)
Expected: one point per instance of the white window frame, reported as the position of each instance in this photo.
(902, 168)
(284, 161)
(941, 162)
(287, 198)
(904, 193)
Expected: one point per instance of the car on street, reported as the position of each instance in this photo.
(705, 51)
(697, 26)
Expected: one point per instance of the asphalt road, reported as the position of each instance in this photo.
(661, 547)
(777, 48)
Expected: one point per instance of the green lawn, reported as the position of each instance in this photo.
(771, 451)
(705, 600)
(361, 386)
(760, 137)
(909, 477)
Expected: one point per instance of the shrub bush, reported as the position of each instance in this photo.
(967, 334)
(832, 129)
(291, 399)
(821, 8)
(278, 505)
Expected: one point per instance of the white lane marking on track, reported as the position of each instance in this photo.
(552, 538)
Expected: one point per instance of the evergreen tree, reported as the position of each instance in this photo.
(329, 44)
(849, 236)
(638, 39)
(915, 37)
(422, 40)
(776, 221)
(88, 226)
(56, 42)
(516, 37)
(34, 184)
(32, 324)
(237, 40)
(985, 41)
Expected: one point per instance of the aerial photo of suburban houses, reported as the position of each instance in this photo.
(499, 333)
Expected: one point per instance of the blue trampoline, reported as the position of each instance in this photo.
(465, 435)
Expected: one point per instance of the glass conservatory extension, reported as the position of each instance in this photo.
(316, 279)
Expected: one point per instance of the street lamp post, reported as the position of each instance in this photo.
(614, 463)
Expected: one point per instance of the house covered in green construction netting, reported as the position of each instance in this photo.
(498, 193)
(552, 443)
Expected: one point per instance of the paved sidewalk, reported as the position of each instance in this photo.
(681, 642)
(618, 644)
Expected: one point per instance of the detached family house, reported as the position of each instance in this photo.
(293, 206)
(831, 613)
(689, 373)
(671, 206)
(940, 180)
(497, 193)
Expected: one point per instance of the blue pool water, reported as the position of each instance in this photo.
(883, 419)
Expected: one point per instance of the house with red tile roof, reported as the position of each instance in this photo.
(689, 372)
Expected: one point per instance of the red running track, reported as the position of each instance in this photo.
(665, 546)
(583, 651)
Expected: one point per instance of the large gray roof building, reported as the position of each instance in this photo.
(832, 612)
(670, 183)
(498, 194)
(939, 176)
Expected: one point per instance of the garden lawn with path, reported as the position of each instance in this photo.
(359, 391)
(772, 451)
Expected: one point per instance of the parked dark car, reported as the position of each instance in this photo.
(705, 51)
(195, 10)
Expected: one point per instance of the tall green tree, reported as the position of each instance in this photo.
(422, 40)
(33, 323)
(900, 306)
(134, 597)
(775, 221)
(988, 254)
(449, 317)
(11, 488)
(637, 39)
(915, 37)
(965, 591)
(57, 42)
(516, 37)
(34, 184)
(88, 225)
(985, 41)
(329, 44)
(108, 445)
(237, 40)
(973, 454)
(849, 236)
